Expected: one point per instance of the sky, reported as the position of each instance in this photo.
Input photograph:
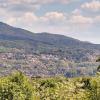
(79, 19)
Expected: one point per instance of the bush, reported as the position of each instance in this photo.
(16, 87)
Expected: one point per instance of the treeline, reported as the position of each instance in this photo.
(17, 86)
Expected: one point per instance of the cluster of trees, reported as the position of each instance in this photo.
(19, 87)
(16, 87)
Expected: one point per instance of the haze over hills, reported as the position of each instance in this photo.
(45, 53)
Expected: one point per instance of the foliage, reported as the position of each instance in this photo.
(19, 87)
(15, 87)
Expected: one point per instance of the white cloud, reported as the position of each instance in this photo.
(53, 1)
(53, 16)
(76, 11)
(79, 19)
(30, 19)
(11, 20)
(94, 5)
(97, 19)
(27, 18)
(65, 1)
(23, 6)
(34, 2)
(52, 19)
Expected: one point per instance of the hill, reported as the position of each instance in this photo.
(44, 53)
(8, 32)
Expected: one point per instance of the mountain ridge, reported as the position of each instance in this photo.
(46, 54)
(4, 25)
(10, 31)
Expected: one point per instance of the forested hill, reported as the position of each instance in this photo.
(53, 39)
(9, 32)
(45, 53)
(45, 42)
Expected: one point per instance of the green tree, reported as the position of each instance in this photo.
(16, 87)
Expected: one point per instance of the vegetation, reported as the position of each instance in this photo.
(45, 55)
(19, 87)
(15, 87)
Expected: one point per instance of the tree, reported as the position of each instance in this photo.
(98, 60)
(16, 87)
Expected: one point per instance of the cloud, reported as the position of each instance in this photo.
(66, 1)
(30, 18)
(5, 3)
(93, 6)
(76, 11)
(18, 7)
(53, 18)
(44, 1)
(97, 19)
(79, 19)
(27, 19)
(11, 21)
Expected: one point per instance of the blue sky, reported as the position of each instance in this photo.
(75, 18)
